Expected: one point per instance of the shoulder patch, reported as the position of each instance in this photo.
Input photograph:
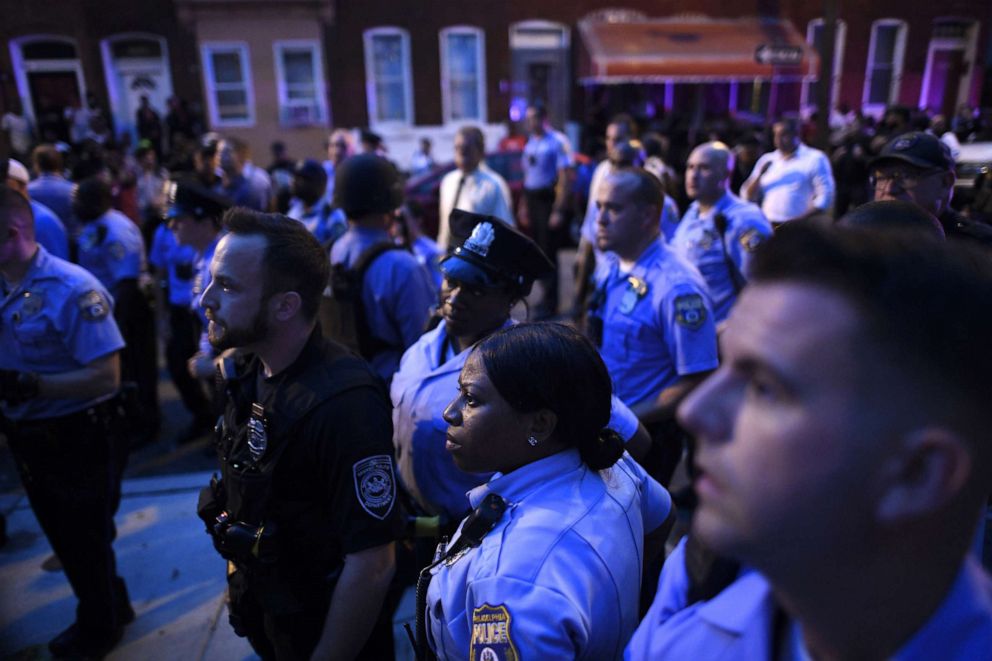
(93, 305)
(492, 637)
(690, 311)
(375, 485)
(750, 240)
(117, 250)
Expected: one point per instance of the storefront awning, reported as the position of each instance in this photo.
(696, 49)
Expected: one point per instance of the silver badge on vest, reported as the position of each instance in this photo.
(258, 441)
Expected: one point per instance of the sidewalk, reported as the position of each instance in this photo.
(175, 578)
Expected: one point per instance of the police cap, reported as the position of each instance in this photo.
(489, 252)
(186, 197)
(917, 148)
(365, 184)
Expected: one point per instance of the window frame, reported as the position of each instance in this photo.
(279, 48)
(840, 40)
(898, 61)
(368, 37)
(480, 75)
(207, 50)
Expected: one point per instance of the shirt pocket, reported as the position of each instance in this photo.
(635, 338)
(38, 341)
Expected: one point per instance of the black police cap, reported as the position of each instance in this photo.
(924, 150)
(310, 170)
(366, 183)
(489, 252)
(186, 197)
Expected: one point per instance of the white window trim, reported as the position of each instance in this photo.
(206, 49)
(898, 56)
(370, 81)
(480, 55)
(840, 38)
(282, 87)
(23, 66)
(969, 45)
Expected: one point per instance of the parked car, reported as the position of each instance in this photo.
(975, 159)
(423, 191)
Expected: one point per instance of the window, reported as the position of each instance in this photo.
(885, 55)
(227, 77)
(300, 82)
(815, 33)
(388, 81)
(463, 75)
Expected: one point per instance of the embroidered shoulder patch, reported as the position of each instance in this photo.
(492, 638)
(750, 240)
(375, 485)
(93, 305)
(690, 311)
(117, 250)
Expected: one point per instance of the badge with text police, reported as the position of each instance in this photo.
(258, 441)
(636, 289)
(492, 639)
(690, 311)
(375, 485)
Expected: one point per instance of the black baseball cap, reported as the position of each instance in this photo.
(366, 183)
(186, 197)
(924, 150)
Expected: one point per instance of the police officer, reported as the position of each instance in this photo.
(174, 265)
(546, 164)
(194, 216)
(111, 248)
(844, 433)
(492, 267)
(49, 231)
(650, 313)
(59, 374)
(306, 508)
(310, 205)
(392, 294)
(719, 231)
(549, 564)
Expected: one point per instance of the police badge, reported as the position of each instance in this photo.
(482, 237)
(258, 440)
(636, 289)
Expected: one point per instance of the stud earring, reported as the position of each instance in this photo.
(532, 440)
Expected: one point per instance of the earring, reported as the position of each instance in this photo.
(532, 440)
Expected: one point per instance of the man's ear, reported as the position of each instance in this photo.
(286, 305)
(927, 470)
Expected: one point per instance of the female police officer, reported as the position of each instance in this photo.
(492, 268)
(558, 573)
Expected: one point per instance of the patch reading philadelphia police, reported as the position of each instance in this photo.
(492, 639)
(375, 485)
(93, 305)
(750, 240)
(690, 311)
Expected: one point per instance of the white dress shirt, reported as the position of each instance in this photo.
(484, 191)
(794, 185)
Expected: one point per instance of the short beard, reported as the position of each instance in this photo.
(255, 332)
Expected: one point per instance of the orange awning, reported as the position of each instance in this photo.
(695, 49)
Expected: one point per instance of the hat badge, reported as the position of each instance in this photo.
(903, 143)
(482, 237)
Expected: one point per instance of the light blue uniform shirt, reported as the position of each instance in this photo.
(543, 157)
(177, 261)
(698, 241)
(559, 575)
(111, 248)
(653, 339)
(397, 294)
(201, 281)
(58, 319)
(325, 223)
(56, 194)
(49, 231)
(738, 623)
(427, 381)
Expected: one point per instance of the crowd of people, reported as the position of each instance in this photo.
(382, 417)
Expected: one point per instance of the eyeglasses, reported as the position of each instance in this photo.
(905, 180)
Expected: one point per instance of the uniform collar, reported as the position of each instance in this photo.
(647, 256)
(516, 485)
(743, 602)
(38, 263)
(717, 207)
